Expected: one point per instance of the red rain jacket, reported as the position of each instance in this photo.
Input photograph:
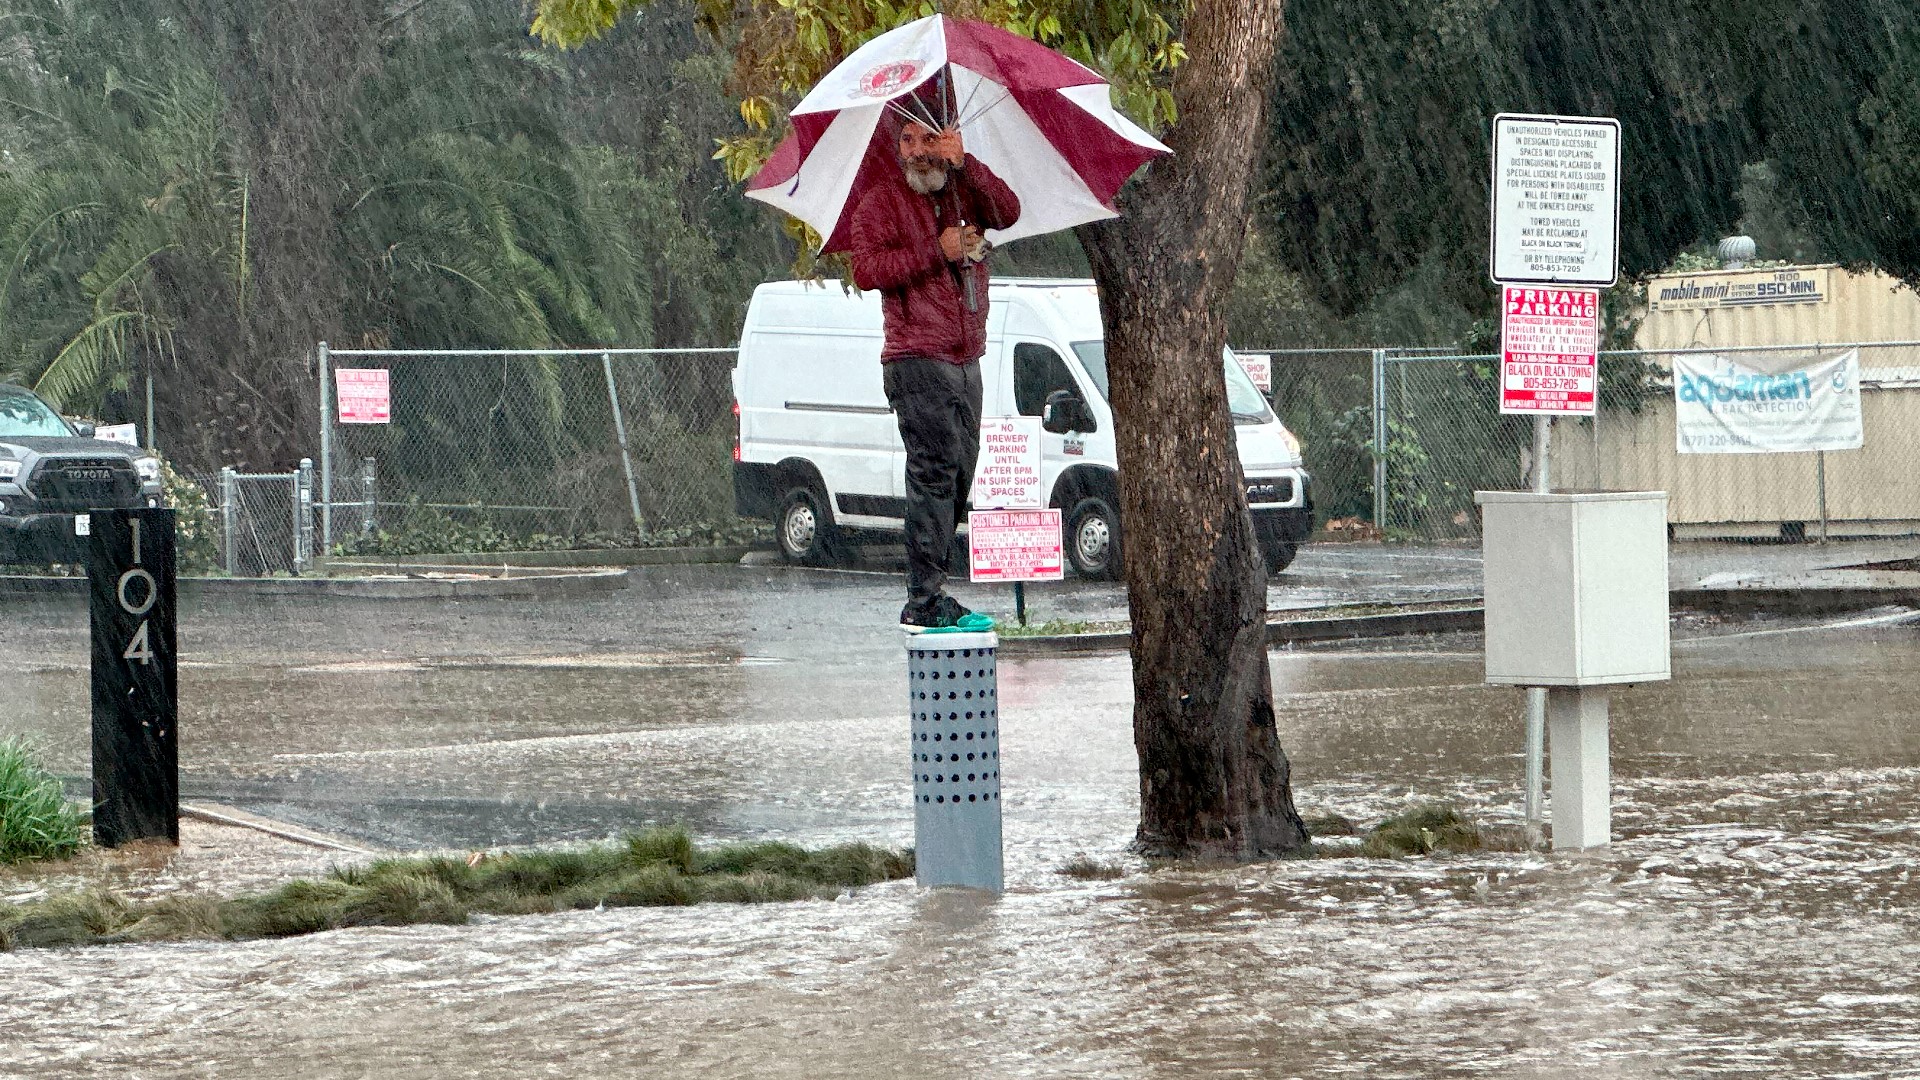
(896, 250)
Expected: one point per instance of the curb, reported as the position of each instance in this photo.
(1279, 631)
(1811, 600)
(532, 587)
(219, 814)
(598, 557)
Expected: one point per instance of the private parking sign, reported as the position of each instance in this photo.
(1549, 350)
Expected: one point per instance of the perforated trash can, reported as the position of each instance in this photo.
(954, 705)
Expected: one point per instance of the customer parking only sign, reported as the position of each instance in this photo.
(1549, 350)
(1015, 545)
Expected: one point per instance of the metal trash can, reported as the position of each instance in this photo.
(954, 704)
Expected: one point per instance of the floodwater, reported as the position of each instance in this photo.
(1755, 916)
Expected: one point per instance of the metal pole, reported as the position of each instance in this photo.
(326, 447)
(151, 441)
(620, 429)
(1821, 465)
(303, 516)
(229, 529)
(1537, 695)
(1542, 449)
(369, 496)
(1380, 439)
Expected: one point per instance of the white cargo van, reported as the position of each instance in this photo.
(820, 456)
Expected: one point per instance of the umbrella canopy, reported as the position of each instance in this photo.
(1043, 123)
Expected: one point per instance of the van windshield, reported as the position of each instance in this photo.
(1248, 404)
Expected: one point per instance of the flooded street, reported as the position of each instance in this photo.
(1755, 916)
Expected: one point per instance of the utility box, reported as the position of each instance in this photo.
(1576, 587)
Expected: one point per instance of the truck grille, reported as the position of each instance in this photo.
(1277, 490)
(77, 483)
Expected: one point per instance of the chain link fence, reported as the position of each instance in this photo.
(482, 450)
(1409, 455)
(263, 523)
(493, 450)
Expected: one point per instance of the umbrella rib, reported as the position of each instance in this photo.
(919, 118)
(979, 82)
(987, 108)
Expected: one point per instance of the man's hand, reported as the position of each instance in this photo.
(947, 144)
(956, 242)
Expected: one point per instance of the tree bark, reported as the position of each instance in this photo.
(1214, 780)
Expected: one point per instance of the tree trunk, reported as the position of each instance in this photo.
(1214, 781)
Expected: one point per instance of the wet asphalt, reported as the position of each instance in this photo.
(726, 697)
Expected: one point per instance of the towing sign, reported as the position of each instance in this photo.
(1556, 200)
(1015, 545)
(1549, 350)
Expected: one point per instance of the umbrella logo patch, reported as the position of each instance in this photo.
(884, 79)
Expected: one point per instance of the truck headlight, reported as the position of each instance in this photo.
(1292, 444)
(149, 467)
(9, 470)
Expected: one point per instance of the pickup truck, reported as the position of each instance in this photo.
(52, 474)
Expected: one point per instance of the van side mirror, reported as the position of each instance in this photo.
(84, 430)
(1065, 412)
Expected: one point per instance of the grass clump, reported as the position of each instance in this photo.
(1422, 830)
(655, 868)
(36, 820)
(1331, 824)
(1085, 867)
(1057, 628)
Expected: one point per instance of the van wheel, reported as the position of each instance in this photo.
(805, 532)
(1278, 554)
(1093, 539)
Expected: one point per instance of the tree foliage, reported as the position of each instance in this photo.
(1379, 136)
(202, 189)
(782, 48)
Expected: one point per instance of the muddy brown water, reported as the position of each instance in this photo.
(1755, 916)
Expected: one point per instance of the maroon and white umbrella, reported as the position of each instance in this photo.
(1042, 122)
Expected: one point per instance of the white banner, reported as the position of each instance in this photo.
(1767, 403)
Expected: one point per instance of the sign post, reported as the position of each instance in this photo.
(1555, 223)
(136, 776)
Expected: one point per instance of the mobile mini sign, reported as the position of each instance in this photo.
(363, 396)
(1556, 200)
(1549, 350)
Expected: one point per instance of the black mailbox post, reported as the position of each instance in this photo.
(136, 774)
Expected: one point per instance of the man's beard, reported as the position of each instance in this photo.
(925, 179)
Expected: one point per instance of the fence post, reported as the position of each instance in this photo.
(303, 516)
(229, 528)
(1820, 478)
(1380, 439)
(326, 447)
(369, 496)
(620, 430)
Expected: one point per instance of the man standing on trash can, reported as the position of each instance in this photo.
(917, 239)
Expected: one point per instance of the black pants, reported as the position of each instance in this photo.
(937, 405)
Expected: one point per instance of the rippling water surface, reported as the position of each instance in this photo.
(1755, 917)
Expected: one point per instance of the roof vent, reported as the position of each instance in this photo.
(1736, 252)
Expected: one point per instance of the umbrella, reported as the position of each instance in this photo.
(1043, 123)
